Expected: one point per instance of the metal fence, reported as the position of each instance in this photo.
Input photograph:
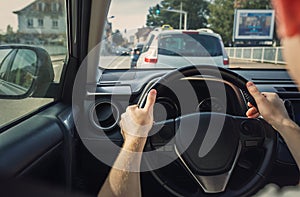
(259, 54)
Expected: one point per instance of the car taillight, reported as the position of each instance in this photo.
(151, 60)
(190, 32)
(226, 61)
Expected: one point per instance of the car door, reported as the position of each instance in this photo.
(36, 125)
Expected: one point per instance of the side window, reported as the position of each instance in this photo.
(38, 23)
(30, 23)
(41, 6)
(148, 43)
(55, 24)
(41, 22)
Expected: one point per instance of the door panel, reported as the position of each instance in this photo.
(36, 148)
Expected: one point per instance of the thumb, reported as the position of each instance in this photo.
(150, 100)
(257, 95)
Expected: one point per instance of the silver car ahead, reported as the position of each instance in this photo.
(177, 48)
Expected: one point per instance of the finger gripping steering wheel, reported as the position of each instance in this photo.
(209, 152)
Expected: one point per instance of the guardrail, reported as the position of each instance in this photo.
(258, 54)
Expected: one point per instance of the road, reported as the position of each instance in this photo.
(123, 62)
(10, 109)
(115, 62)
(237, 63)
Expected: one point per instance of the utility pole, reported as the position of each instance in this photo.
(180, 19)
(181, 12)
(185, 20)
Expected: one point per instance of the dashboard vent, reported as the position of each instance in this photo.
(104, 115)
(287, 89)
(274, 80)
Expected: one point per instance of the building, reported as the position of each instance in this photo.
(142, 34)
(43, 17)
(42, 21)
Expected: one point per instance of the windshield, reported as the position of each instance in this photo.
(232, 34)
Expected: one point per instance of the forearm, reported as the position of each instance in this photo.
(290, 132)
(124, 177)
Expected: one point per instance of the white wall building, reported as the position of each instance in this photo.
(42, 17)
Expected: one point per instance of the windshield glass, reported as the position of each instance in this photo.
(231, 34)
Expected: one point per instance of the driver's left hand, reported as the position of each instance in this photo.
(137, 122)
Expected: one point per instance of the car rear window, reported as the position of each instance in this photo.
(192, 45)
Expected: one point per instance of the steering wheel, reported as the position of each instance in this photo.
(210, 153)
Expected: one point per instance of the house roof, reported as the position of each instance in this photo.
(34, 9)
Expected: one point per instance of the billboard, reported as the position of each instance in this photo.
(253, 25)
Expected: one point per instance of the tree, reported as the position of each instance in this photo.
(222, 15)
(117, 38)
(256, 4)
(221, 18)
(197, 14)
(9, 29)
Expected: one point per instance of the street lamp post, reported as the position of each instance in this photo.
(180, 19)
(181, 12)
(185, 20)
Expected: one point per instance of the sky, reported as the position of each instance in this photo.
(6, 12)
(128, 14)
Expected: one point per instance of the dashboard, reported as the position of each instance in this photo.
(125, 87)
(120, 88)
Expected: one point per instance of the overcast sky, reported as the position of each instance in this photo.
(129, 14)
(6, 12)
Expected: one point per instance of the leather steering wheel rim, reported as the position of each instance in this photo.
(237, 80)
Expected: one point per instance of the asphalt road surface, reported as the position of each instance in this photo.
(237, 63)
(11, 109)
(123, 62)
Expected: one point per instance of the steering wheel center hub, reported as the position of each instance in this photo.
(213, 148)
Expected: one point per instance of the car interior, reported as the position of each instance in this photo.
(68, 145)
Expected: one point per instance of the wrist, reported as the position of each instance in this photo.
(134, 144)
(286, 126)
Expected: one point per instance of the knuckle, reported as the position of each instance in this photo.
(123, 116)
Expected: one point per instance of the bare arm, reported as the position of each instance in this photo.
(272, 109)
(270, 106)
(124, 177)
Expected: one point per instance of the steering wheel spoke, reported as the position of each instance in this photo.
(209, 150)
(161, 134)
(252, 132)
(212, 183)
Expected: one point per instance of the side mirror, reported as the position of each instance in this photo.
(24, 71)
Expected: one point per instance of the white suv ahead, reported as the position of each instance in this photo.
(177, 48)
